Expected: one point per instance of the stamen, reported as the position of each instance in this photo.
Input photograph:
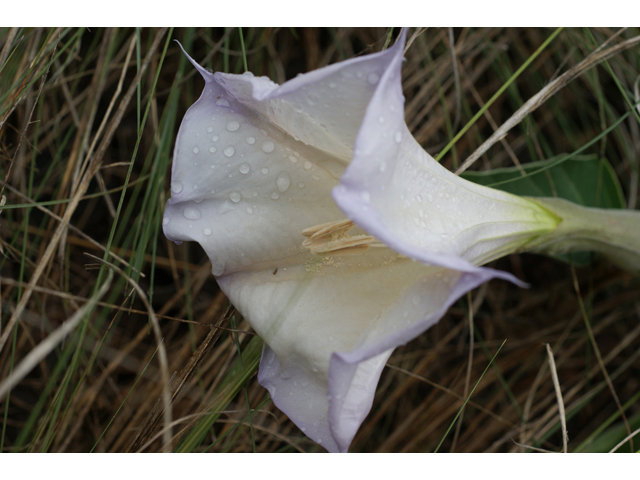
(332, 239)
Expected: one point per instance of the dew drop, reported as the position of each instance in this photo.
(221, 102)
(267, 147)
(365, 196)
(195, 186)
(165, 221)
(293, 159)
(380, 119)
(398, 137)
(233, 126)
(196, 149)
(210, 130)
(207, 231)
(176, 187)
(332, 85)
(307, 165)
(301, 185)
(244, 168)
(229, 151)
(275, 195)
(213, 149)
(235, 197)
(373, 78)
(215, 138)
(419, 198)
(251, 140)
(250, 210)
(283, 181)
(264, 170)
(191, 213)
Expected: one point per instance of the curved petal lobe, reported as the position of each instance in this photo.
(397, 192)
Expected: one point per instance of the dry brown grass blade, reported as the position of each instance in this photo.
(76, 230)
(26, 124)
(467, 380)
(146, 431)
(556, 386)
(162, 352)
(13, 31)
(625, 440)
(453, 394)
(52, 341)
(81, 168)
(543, 95)
(96, 162)
(596, 350)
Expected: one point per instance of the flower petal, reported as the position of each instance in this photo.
(322, 108)
(249, 159)
(398, 193)
(330, 327)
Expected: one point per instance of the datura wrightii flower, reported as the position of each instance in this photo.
(331, 230)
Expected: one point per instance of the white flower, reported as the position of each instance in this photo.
(254, 169)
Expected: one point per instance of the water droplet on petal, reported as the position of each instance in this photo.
(210, 130)
(267, 147)
(307, 165)
(398, 137)
(229, 151)
(165, 221)
(251, 140)
(191, 213)
(373, 78)
(235, 197)
(215, 138)
(365, 196)
(244, 168)
(301, 185)
(221, 102)
(264, 170)
(233, 126)
(380, 119)
(332, 85)
(293, 159)
(275, 195)
(176, 187)
(249, 210)
(207, 231)
(196, 149)
(283, 181)
(213, 149)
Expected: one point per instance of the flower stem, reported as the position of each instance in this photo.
(614, 233)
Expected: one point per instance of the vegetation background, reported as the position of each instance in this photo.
(88, 119)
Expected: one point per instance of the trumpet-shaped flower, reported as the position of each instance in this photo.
(331, 230)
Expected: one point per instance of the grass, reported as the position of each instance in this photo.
(88, 120)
